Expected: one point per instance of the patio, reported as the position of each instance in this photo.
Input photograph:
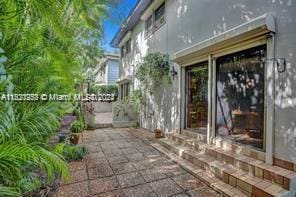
(122, 162)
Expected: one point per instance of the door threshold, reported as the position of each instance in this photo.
(239, 148)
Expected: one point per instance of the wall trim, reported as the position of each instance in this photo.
(245, 32)
(127, 36)
(149, 11)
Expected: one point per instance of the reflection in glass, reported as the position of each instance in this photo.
(197, 96)
(240, 96)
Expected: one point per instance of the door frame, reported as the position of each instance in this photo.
(202, 63)
(268, 98)
(214, 100)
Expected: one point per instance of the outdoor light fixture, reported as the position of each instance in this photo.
(173, 72)
(281, 65)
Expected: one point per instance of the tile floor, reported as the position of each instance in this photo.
(121, 162)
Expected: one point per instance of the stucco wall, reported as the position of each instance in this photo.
(191, 21)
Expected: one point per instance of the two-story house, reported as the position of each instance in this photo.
(107, 70)
(235, 82)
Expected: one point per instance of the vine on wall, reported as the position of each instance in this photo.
(154, 68)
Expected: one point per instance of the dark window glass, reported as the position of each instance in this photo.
(197, 96)
(122, 51)
(159, 12)
(121, 91)
(128, 46)
(127, 89)
(240, 96)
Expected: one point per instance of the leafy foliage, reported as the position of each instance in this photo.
(44, 48)
(9, 191)
(105, 89)
(71, 152)
(77, 126)
(152, 70)
(135, 97)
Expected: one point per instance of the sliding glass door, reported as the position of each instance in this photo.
(240, 96)
(197, 97)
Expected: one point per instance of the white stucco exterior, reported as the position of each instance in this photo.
(189, 22)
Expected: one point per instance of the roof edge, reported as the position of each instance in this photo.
(130, 21)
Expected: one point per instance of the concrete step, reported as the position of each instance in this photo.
(221, 187)
(196, 135)
(103, 125)
(193, 143)
(228, 173)
(255, 167)
(226, 144)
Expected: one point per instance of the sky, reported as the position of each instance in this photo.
(116, 15)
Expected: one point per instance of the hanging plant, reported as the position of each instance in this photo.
(154, 68)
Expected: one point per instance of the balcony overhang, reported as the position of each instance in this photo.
(124, 80)
(254, 28)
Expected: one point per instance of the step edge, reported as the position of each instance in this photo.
(196, 171)
(223, 165)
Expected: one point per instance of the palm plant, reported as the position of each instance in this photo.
(47, 44)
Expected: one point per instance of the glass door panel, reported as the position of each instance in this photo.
(197, 97)
(240, 96)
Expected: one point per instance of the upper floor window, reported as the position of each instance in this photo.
(122, 51)
(156, 20)
(126, 48)
(159, 12)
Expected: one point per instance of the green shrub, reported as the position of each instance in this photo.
(76, 111)
(71, 152)
(77, 126)
(135, 97)
(105, 89)
(153, 68)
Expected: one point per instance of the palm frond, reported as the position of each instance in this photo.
(9, 191)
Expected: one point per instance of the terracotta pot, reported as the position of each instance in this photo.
(74, 138)
(158, 133)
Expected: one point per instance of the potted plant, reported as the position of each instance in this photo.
(158, 133)
(76, 129)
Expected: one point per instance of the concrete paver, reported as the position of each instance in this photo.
(121, 162)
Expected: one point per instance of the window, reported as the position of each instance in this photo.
(156, 20)
(159, 12)
(122, 51)
(128, 46)
(121, 91)
(240, 96)
(197, 96)
(127, 89)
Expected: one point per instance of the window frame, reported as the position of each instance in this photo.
(128, 47)
(228, 58)
(162, 9)
(155, 23)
